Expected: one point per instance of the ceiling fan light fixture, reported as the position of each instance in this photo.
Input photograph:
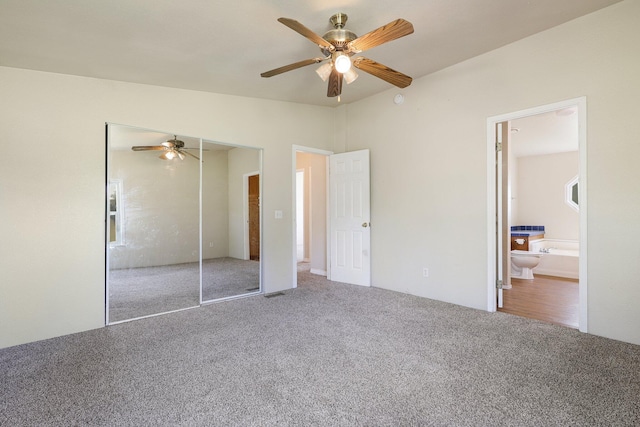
(340, 45)
(324, 71)
(350, 76)
(169, 155)
(342, 62)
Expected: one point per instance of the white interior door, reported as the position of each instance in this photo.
(350, 227)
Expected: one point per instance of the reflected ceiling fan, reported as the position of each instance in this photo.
(339, 45)
(171, 149)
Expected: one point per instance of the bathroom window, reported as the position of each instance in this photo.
(571, 191)
(116, 224)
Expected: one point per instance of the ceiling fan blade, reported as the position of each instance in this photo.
(148, 147)
(335, 84)
(393, 30)
(291, 67)
(301, 29)
(382, 71)
(188, 154)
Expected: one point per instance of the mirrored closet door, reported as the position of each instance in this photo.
(178, 229)
(229, 213)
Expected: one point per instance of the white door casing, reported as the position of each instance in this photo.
(499, 217)
(492, 223)
(350, 227)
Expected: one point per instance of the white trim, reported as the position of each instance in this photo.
(498, 158)
(581, 103)
(201, 230)
(107, 225)
(232, 297)
(152, 315)
(294, 149)
(328, 216)
(318, 272)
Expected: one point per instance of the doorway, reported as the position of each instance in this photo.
(253, 203)
(310, 206)
(532, 165)
(338, 217)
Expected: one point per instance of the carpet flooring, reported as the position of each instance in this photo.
(138, 292)
(323, 354)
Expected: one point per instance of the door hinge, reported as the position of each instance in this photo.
(498, 146)
(499, 284)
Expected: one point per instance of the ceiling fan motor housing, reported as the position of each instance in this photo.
(173, 143)
(338, 37)
(339, 44)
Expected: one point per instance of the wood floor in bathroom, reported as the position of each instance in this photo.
(546, 298)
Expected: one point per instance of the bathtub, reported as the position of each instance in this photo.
(560, 258)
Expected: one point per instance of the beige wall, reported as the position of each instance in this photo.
(216, 210)
(428, 173)
(429, 167)
(160, 203)
(52, 263)
(541, 194)
(241, 161)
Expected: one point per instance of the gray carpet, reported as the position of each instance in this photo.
(138, 292)
(324, 354)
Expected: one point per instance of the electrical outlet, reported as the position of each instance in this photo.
(425, 272)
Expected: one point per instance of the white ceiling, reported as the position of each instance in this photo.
(122, 137)
(547, 133)
(223, 46)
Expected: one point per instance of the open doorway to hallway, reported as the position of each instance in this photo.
(540, 178)
(311, 213)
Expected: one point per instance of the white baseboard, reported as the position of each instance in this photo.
(318, 272)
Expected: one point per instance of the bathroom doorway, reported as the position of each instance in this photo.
(538, 165)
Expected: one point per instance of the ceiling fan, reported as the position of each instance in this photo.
(339, 45)
(171, 149)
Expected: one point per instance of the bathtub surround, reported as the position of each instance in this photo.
(324, 354)
(560, 257)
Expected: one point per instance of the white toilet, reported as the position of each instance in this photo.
(522, 263)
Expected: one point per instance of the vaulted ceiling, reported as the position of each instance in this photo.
(223, 46)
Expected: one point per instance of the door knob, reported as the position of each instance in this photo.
(365, 224)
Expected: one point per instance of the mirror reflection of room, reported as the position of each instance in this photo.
(230, 221)
(159, 251)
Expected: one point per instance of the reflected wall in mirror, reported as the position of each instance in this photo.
(156, 264)
(155, 267)
(227, 265)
